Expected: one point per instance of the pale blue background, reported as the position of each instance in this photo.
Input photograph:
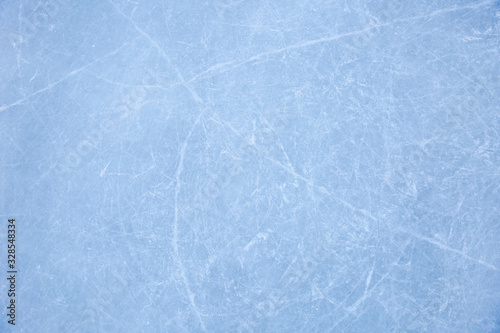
(252, 166)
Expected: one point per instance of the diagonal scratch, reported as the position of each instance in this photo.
(53, 84)
(448, 248)
(161, 52)
(221, 67)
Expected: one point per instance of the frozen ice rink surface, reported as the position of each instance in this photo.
(251, 166)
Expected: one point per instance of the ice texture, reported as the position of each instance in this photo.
(251, 166)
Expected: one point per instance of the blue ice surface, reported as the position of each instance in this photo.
(251, 166)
